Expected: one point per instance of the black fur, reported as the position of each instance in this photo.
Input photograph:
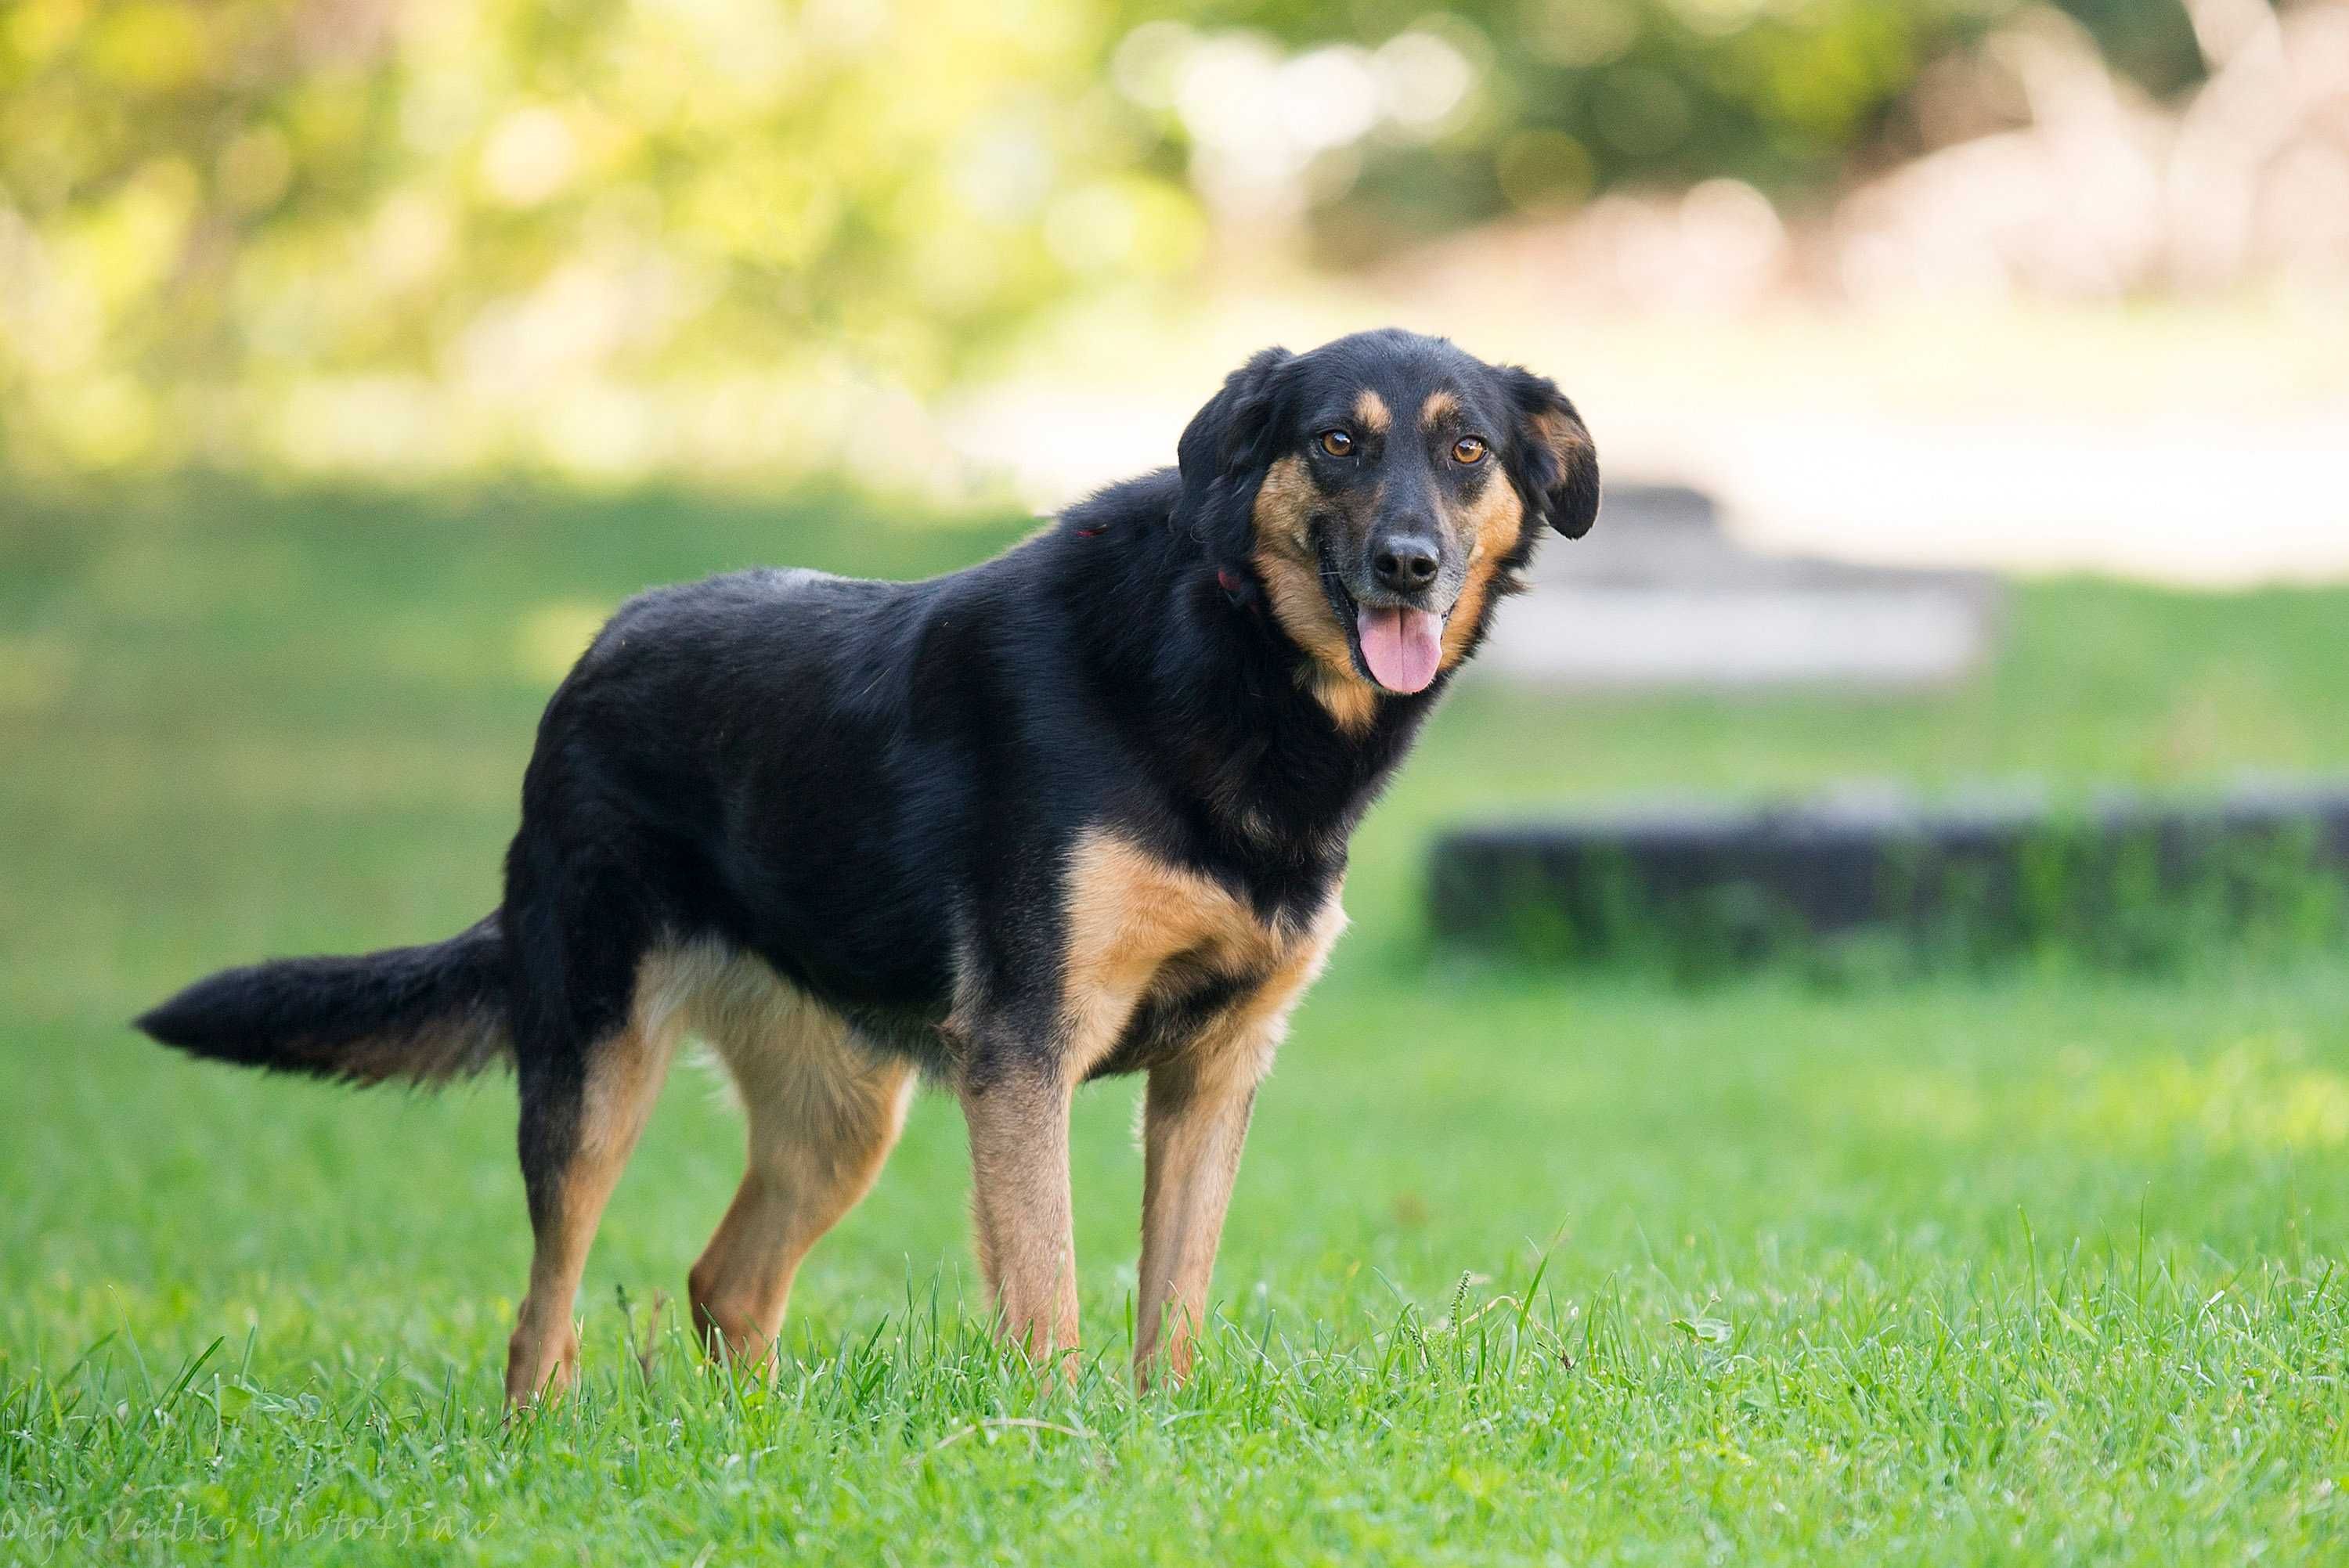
(402, 1013)
(873, 786)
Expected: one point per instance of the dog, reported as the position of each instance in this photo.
(1078, 810)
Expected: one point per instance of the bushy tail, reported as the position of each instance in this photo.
(424, 1014)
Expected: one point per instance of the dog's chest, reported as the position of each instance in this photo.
(1158, 956)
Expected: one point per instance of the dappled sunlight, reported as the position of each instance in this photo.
(2255, 1096)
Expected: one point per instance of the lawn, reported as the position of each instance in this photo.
(2032, 1265)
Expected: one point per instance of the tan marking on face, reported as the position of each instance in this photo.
(1292, 582)
(1370, 412)
(1284, 508)
(1439, 406)
(1492, 523)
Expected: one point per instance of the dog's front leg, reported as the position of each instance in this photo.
(1018, 1120)
(1193, 1120)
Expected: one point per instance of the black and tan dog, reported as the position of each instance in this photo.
(1081, 810)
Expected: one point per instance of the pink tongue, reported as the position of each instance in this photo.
(1400, 646)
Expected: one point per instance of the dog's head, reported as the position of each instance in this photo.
(1380, 488)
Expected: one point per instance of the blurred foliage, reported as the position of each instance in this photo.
(201, 205)
(421, 233)
(2175, 889)
(1581, 96)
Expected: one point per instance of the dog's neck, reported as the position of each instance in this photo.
(1216, 693)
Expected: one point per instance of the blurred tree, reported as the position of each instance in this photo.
(1578, 96)
(616, 233)
(224, 215)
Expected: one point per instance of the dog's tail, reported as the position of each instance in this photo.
(421, 1014)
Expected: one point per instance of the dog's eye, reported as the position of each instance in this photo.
(1337, 443)
(1468, 451)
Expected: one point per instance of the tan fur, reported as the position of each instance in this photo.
(1129, 913)
(439, 1050)
(625, 1077)
(1131, 916)
(824, 1115)
(1370, 412)
(1439, 408)
(1350, 701)
(1194, 1119)
(1284, 508)
(1492, 523)
(1021, 1215)
(1566, 437)
(1292, 583)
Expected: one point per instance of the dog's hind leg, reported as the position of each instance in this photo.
(824, 1113)
(578, 1127)
(591, 1047)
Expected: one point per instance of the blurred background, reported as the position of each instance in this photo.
(1972, 380)
(1988, 282)
(1948, 357)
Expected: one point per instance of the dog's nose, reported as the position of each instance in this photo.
(1405, 563)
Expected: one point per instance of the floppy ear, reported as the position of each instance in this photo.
(1225, 451)
(1558, 462)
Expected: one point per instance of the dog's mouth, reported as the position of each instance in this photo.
(1397, 646)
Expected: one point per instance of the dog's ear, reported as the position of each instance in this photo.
(1228, 435)
(1228, 445)
(1557, 463)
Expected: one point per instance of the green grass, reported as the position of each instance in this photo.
(2035, 1266)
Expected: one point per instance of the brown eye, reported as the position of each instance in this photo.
(1337, 443)
(1468, 451)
